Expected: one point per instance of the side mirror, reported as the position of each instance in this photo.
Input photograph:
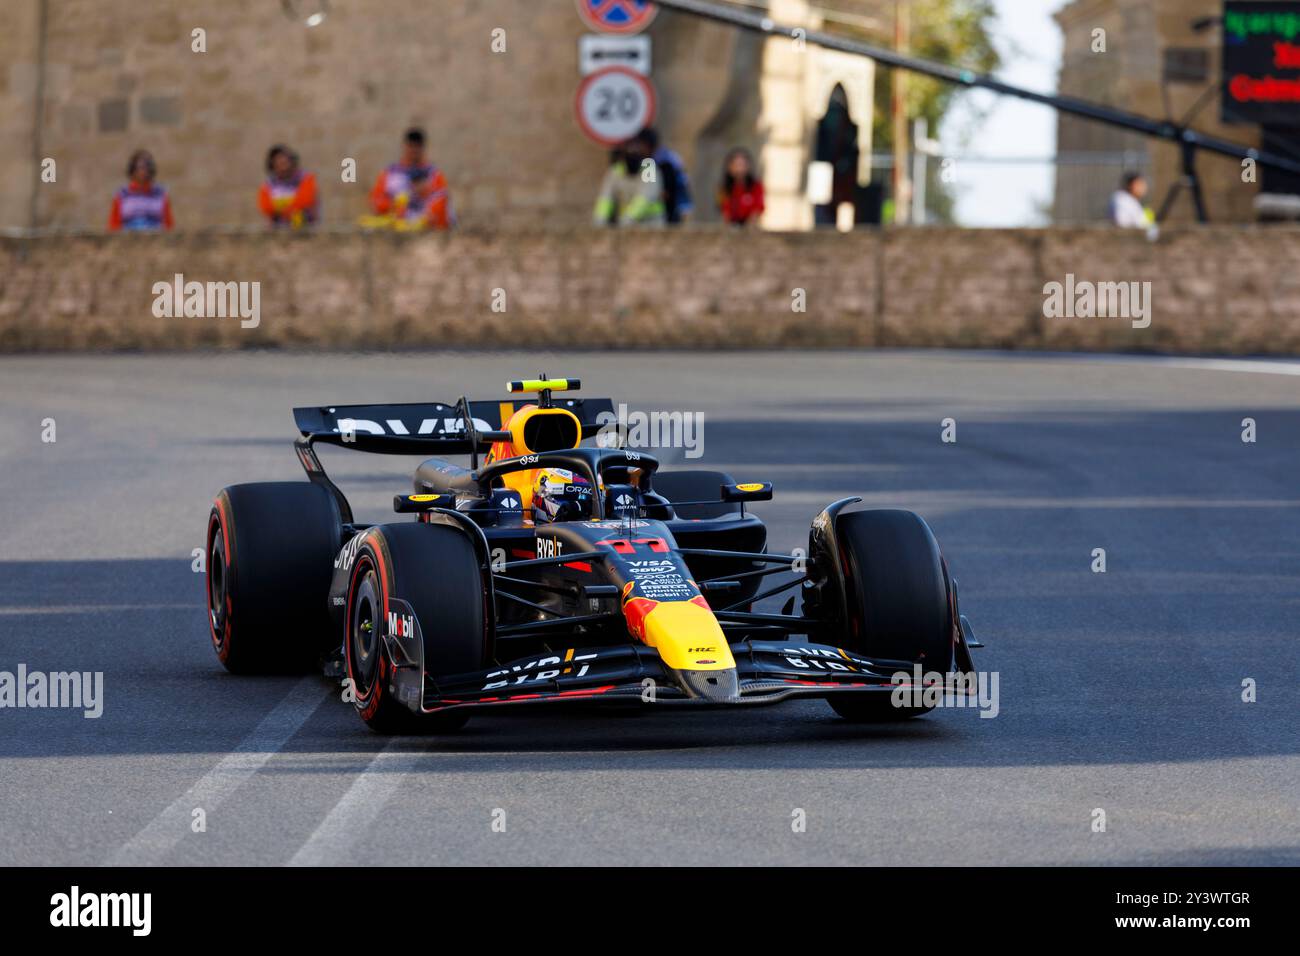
(748, 491)
(414, 504)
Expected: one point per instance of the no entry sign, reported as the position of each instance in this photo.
(617, 16)
(614, 104)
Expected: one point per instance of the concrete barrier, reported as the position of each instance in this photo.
(1228, 289)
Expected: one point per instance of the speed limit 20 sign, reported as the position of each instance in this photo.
(614, 104)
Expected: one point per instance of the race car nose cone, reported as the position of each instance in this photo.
(711, 685)
(685, 633)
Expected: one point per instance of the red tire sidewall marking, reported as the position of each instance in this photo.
(368, 703)
(222, 522)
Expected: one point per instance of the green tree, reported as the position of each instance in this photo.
(955, 32)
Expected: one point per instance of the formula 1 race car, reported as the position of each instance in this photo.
(557, 572)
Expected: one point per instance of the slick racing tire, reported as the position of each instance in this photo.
(695, 485)
(270, 551)
(435, 570)
(898, 606)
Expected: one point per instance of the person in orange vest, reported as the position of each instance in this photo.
(141, 205)
(413, 192)
(288, 196)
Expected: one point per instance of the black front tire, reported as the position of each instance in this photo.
(434, 569)
(270, 551)
(898, 602)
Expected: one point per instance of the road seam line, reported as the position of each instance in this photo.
(172, 825)
(333, 841)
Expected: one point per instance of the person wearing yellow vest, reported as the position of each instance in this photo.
(632, 192)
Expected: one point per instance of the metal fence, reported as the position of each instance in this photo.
(1068, 188)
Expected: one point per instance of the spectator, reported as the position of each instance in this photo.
(413, 192)
(616, 158)
(141, 205)
(631, 193)
(740, 196)
(1126, 209)
(288, 196)
(676, 184)
(837, 144)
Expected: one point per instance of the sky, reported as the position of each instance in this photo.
(1008, 194)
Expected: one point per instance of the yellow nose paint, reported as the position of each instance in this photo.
(688, 637)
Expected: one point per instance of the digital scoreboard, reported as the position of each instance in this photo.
(1261, 63)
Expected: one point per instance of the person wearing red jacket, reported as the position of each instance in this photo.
(740, 195)
(141, 205)
(413, 192)
(288, 196)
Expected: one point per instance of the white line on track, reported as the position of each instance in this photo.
(1237, 365)
(26, 610)
(1258, 366)
(332, 842)
(169, 828)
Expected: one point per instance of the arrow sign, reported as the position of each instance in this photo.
(597, 51)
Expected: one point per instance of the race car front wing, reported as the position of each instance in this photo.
(768, 672)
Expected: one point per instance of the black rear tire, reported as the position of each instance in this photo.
(434, 569)
(898, 603)
(270, 550)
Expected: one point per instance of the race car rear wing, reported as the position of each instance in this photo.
(420, 428)
(430, 428)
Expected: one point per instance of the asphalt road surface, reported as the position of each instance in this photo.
(1118, 692)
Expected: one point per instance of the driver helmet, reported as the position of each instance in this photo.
(560, 495)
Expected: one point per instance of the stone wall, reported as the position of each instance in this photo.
(492, 81)
(1213, 289)
(83, 83)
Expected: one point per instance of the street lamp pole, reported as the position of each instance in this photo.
(898, 115)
